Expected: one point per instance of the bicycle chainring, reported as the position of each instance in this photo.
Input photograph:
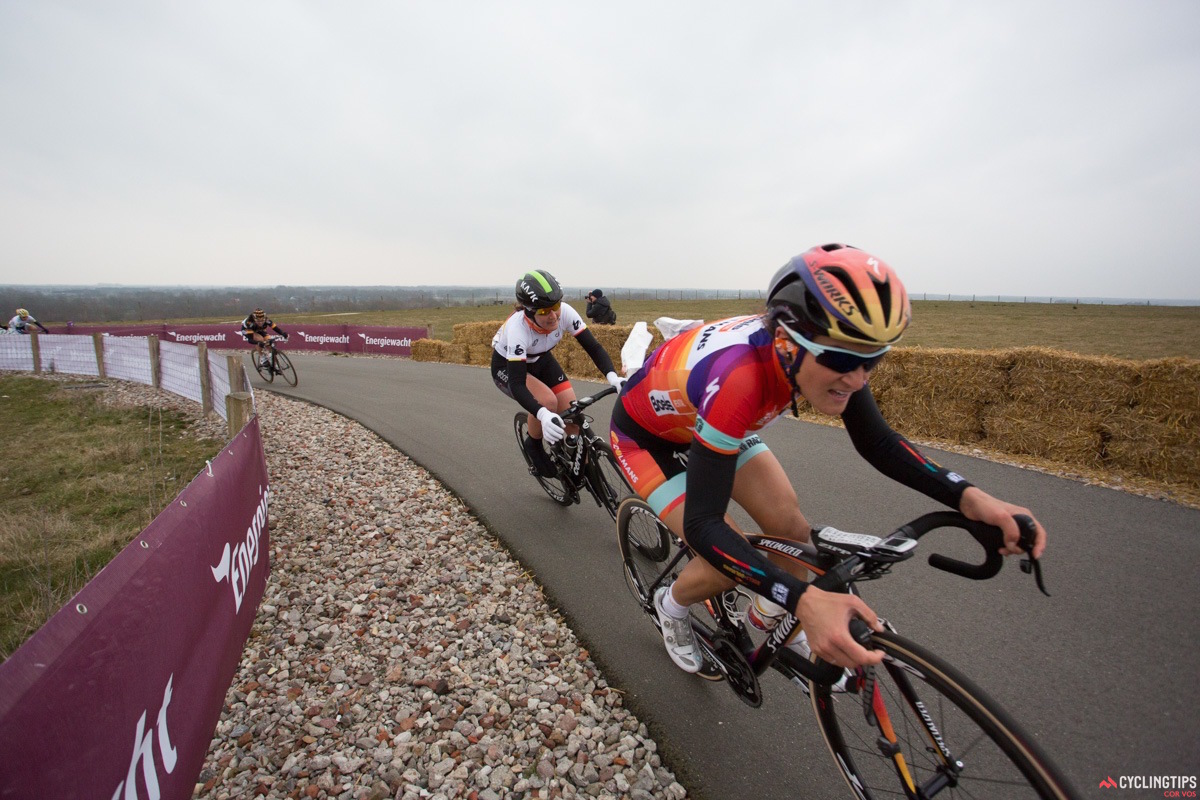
(733, 665)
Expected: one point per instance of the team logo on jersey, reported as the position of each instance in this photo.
(575, 325)
(664, 403)
(518, 351)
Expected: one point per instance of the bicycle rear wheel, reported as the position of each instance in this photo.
(283, 366)
(558, 491)
(605, 478)
(264, 372)
(932, 731)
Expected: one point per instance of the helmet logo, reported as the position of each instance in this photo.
(873, 263)
(835, 294)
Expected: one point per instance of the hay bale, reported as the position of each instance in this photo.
(1168, 389)
(1026, 428)
(476, 332)
(427, 350)
(1064, 382)
(1141, 442)
(939, 393)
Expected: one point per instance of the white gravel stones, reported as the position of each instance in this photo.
(400, 652)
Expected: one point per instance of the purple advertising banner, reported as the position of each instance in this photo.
(380, 340)
(118, 695)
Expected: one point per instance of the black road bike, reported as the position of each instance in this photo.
(277, 364)
(911, 727)
(582, 461)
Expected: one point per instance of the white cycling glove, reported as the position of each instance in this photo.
(553, 429)
(615, 380)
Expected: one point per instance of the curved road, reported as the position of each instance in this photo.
(1103, 673)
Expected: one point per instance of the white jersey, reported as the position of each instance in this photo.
(17, 325)
(518, 341)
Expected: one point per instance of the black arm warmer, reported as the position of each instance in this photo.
(520, 392)
(709, 488)
(594, 349)
(895, 456)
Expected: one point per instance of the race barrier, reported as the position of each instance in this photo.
(374, 340)
(188, 370)
(118, 694)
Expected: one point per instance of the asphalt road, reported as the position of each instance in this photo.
(1103, 674)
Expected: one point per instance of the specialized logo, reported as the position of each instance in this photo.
(238, 562)
(711, 390)
(843, 303)
(873, 263)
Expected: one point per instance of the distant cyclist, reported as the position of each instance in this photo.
(687, 427)
(22, 320)
(525, 370)
(256, 329)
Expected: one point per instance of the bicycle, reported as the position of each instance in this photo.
(582, 461)
(277, 364)
(910, 727)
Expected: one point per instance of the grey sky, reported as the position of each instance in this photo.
(1032, 147)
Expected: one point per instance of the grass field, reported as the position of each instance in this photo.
(1135, 332)
(77, 482)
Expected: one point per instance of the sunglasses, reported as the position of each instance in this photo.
(541, 312)
(838, 359)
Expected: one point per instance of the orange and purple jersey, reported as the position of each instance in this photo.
(718, 383)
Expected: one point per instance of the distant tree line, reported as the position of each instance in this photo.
(81, 304)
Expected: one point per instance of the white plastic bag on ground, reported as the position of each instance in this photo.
(633, 352)
(671, 328)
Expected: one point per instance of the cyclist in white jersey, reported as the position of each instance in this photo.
(21, 322)
(524, 368)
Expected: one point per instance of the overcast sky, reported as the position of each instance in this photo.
(1033, 147)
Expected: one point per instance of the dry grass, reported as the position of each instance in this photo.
(79, 480)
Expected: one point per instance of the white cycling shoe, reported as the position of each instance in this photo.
(678, 637)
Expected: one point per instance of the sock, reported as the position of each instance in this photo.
(671, 606)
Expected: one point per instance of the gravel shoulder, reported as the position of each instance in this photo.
(400, 652)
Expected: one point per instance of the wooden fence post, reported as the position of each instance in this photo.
(205, 380)
(237, 374)
(239, 407)
(98, 343)
(155, 366)
(37, 353)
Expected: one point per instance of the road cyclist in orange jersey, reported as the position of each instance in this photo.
(686, 427)
(524, 368)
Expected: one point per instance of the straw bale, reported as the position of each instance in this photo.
(1143, 443)
(1029, 428)
(1168, 389)
(939, 393)
(476, 332)
(454, 353)
(1085, 383)
(427, 350)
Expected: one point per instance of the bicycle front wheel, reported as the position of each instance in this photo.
(283, 366)
(647, 546)
(264, 371)
(558, 491)
(919, 728)
(605, 478)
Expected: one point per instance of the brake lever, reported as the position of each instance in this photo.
(1029, 564)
